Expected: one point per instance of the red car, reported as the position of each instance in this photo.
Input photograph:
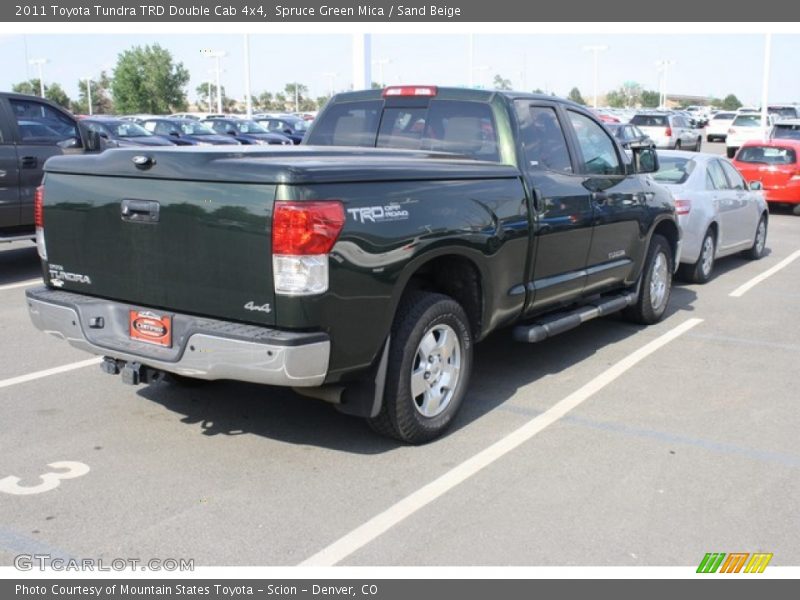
(774, 164)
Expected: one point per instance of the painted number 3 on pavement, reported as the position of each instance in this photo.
(50, 480)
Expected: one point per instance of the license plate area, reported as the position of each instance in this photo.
(150, 327)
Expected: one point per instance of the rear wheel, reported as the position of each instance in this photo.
(699, 144)
(756, 251)
(678, 145)
(430, 360)
(731, 152)
(700, 271)
(656, 284)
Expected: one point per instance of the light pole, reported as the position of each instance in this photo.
(331, 79)
(663, 66)
(216, 55)
(209, 83)
(595, 50)
(381, 62)
(89, 94)
(765, 86)
(39, 63)
(248, 102)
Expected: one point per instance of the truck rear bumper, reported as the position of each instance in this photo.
(202, 348)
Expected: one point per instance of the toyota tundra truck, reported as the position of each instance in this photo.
(362, 266)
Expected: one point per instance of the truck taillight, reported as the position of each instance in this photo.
(38, 220)
(410, 90)
(668, 132)
(302, 235)
(683, 207)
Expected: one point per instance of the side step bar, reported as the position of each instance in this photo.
(560, 322)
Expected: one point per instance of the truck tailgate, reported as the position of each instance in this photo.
(198, 247)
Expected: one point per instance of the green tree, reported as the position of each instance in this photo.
(731, 102)
(500, 83)
(101, 100)
(146, 80)
(650, 99)
(575, 96)
(266, 101)
(295, 94)
(30, 87)
(538, 91)
(615, 99)
(322, 101)
(53, 91)
(228, 104)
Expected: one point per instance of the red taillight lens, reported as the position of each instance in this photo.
(683, 207)
(38, 207)
(668, 132)
(306, 228)
(410, 90)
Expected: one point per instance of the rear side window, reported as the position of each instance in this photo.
(599, 152)
(716, 178)
(41, 124)
(767, 155)
(737, 182)
(348, 124)
(650, 121)
(542, 139)
(786, 132)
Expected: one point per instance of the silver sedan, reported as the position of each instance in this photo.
(720, 214)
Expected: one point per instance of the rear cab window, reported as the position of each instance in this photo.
(462, 127)
(767, 155)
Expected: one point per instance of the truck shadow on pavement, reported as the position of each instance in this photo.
(501, 367)
(18, 263)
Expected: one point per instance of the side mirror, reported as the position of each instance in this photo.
(175, 133)
(756, 186)
(103, 135)
(231, 132)
(645, 158)
(69, 143)
(91, 141)
(287, 130)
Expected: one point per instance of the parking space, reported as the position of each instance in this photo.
(692, 448)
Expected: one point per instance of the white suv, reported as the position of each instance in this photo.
(746, 127)
(668, 130)
(718, 126)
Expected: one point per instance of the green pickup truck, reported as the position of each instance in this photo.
(362, 266)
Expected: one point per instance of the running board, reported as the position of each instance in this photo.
(560, 322)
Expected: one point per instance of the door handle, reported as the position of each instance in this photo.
(599, 197)
(140, 211)
(28, 162)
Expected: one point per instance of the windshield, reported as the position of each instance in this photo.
(190, 127)
(674, 169)
(249, 127)
(650, 121)
(128, 129)
(786, 132)
(747, 121)
(766, 155)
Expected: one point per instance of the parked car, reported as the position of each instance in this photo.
(786, 130)
(246, 131)
(292, 127)
(628, 134)
(784, 111)
(187, 132)
(118, 133)
(719, 213)
(717, 129)
(774, 164)
(668, 130)
(357, 274)
(31, 131)
(744, 128)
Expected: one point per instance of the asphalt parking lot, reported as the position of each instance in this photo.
(640, 446)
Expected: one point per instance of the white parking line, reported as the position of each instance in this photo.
(364, 534)
(740, 291)
(47, 372)
(20, 284)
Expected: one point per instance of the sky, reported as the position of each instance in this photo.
(704, 64)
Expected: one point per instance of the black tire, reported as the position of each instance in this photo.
(796, 210)
(731, 152)
(710, 139)
(421, 315)
(699, 145)
(700, 271)
(646, 311)
(756, 251)
(678, 145)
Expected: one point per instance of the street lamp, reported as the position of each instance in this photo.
(331, 79)
(216, 55)
(663, 66)
(248, 98)
(595, 50)
(89, 93)
(39, 63)
(381, 62)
